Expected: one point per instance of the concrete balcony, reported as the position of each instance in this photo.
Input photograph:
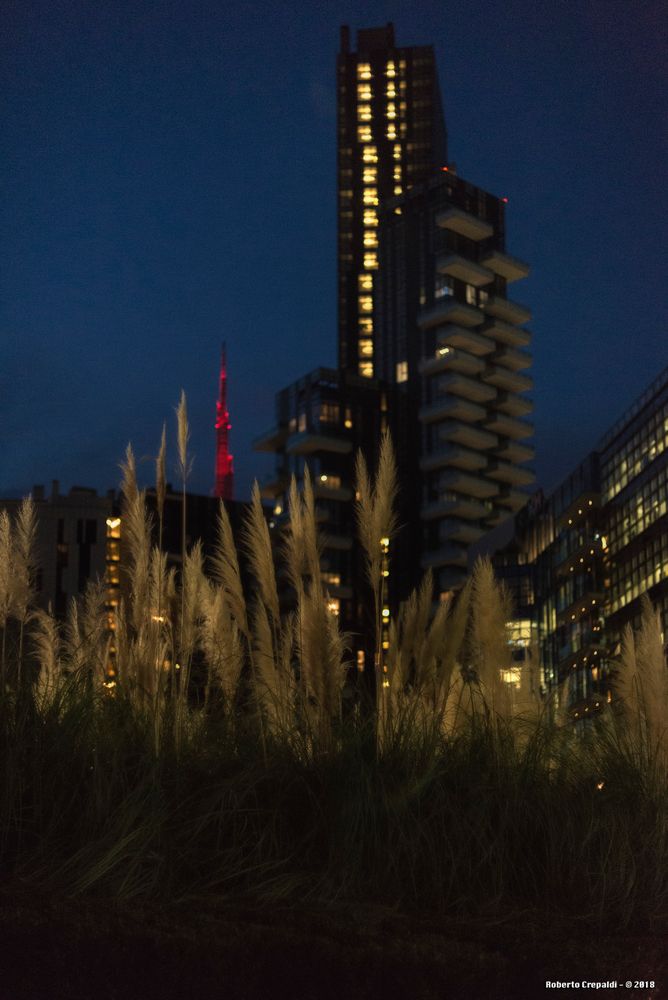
(453, 455)
(513, 500)
(510, 268)
(464, 270)
(308, 442)
(463, 482)
(506, 472)
(446, 555)
(459, 221)
(514, 452)
(505, 333)
(509, 427)
(452, 407)
(462, 337)
(511, 358)
(470, 388)
(271, 440)
(455, 530)
(449, 310)
(507, 380)
(514, 406)
(451, 359)
(507, 310)
(468, 435)
(454, 506)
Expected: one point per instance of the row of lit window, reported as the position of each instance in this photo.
(633, 577)
(364, 69)
(364, 133)
(645, 445)
(643, 509)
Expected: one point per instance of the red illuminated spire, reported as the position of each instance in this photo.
(224, 462)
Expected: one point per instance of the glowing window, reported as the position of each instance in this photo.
(363, 71)
(365, 282)
(365, 325)
(364, 112)
(402, 371)
(391, 90)
(334, 579)
(371, 261)
(365, 369)
(398, 189)
(391, 110)
(391, 132)
(397, 172)
(370, 196)
(301, 423)
(370, 175)
(364, 133)
(366, 348)
(363, 91)
(396, 152)
(370, 238)
(366, 303)
(329, 413)
(370, 154)
(370, 217)
(390, 69)
(334, 605)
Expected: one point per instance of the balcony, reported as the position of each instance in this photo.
(508, 426)
(455, 456)
(507, 380)
(449, 310)
(464, 270)
(510, 268)
(466, 434)
(466, 339)
(449, 359)
(308, 442)
(271, 440)
(470, 485)
(273, 484)
(505, 333)
(592, 600)
(469, 388)
(324, 492)
(514, 406)
(511, 451)
(459, 221)
(454, 530)
(454, 506)
(513, 500)
(506, 472)
(452, 406)
(446, 555)
(507, 310)
(516, 360)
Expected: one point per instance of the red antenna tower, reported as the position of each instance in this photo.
(224, 462)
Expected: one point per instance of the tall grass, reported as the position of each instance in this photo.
(218, 759)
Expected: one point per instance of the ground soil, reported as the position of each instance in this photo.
(53, 948)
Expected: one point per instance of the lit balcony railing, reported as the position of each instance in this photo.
(454, 506)
(459, 221)
(507, 310)
(469, 435)
(451, 359)
(271, 440)
(469, 388)
(506, 472)
(510, 427)
(510, 268)
(506, 333)
(308, 442)
(449, 310)
(463, 269)
(454, 407)
(507, 380)
(464, 338)
(453, 455)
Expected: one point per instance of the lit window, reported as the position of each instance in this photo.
(366, 348)
(329, 413)
(334, 579)
(364, 133)
(370, 175)
(442, 286)
(471, 296)
(370, 238)
(370, 154)
(391, 90)
(396, 151)
(364, 112)
(365, 325)
(391, 132)
(363, 91)
(366, 303)
(370, 217)
(397, 172)
(365, 282)
(363, 71)
(370, 196)
(391, 110)
(365, 369)
(402, 371)
(390, 69)
(371, 261)
(334, 605)
(398, 189)
(360, 660)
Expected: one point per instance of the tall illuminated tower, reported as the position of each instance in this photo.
(224, 461)
(391, 135)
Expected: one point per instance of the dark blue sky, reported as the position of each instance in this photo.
(169, 181)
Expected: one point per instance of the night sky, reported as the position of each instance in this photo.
(169, 182)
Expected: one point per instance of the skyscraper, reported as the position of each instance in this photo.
(391, 135)
(224, 487)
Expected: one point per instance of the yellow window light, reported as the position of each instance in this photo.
(370, 154)
(370, 217)
(396, 151)
(365, 369)
(391, 132)
(363, 71)
(363, 91)
(364, 133)
(365, 348)
(365, 282)
(370, 238)
(364, 112)
(371, 261)
(370, 175)
(370, 196)
(365, 303)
